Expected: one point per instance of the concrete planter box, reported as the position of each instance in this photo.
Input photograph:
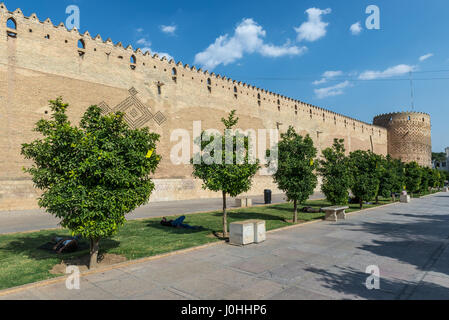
(241, 233)
(247, 232)
(260, 230)
(405, 198)
(445, 189)
(243, 202)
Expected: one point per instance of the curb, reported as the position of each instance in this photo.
(157, 257)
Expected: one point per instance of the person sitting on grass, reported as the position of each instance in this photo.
(178, 223)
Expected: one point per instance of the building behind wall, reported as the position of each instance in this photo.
(442, 165)
(40, 61)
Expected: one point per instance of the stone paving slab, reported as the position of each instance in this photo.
(316, 261)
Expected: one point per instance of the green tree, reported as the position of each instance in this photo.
(413, 176)
(443, 176)
(388, 177)
(92, 175)
(399, 168)
(434, 179)
(426, 176)
(295, 169)
(365, 168)
(232, 174)
(335, 172)
(439, 156)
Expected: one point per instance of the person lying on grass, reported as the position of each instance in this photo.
(178, 223)
(66, 245)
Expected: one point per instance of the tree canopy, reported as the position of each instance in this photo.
(295, 170)
(335, 171)
(226, 169)
(92, 175)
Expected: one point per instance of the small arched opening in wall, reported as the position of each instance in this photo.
(209, 85)
(81, 44)
(133, 62)
(11, 28)
(235, 92)
(81, 47)
(335, 120)
(174, 75)
(296, 109)
(279, 105)
(311, 114)
(259, 102)
(324, 117)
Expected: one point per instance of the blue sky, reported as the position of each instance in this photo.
(302, 49)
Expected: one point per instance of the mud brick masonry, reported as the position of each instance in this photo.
(40, 61)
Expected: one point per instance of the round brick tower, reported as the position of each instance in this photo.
(409, 136)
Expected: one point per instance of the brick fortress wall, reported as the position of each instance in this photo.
(40, 61)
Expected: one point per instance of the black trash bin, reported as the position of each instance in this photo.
(267, 196)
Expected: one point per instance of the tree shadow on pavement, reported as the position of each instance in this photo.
(421, 241)
(351, 284)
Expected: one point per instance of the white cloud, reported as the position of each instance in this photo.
(248, 38)
(139, 30)
(146, 46)
(168, 29)
(398, 70)
(332, 91)
(425, 57)
(314, 28)
(356, 28)
(328, 75)
(144, 42)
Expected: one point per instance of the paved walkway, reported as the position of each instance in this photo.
(324, 260)
(31, 220)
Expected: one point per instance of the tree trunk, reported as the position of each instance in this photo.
(94, 247)
(295, 217)
(377, 199)
(361, 204)
(393, 196)
(225, 217)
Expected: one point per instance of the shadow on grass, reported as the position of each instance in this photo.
(171, 230)
(251, 214)
(40, 247)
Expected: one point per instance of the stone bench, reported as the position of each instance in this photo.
(336, 212)
(243, 202)
(246, 232)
